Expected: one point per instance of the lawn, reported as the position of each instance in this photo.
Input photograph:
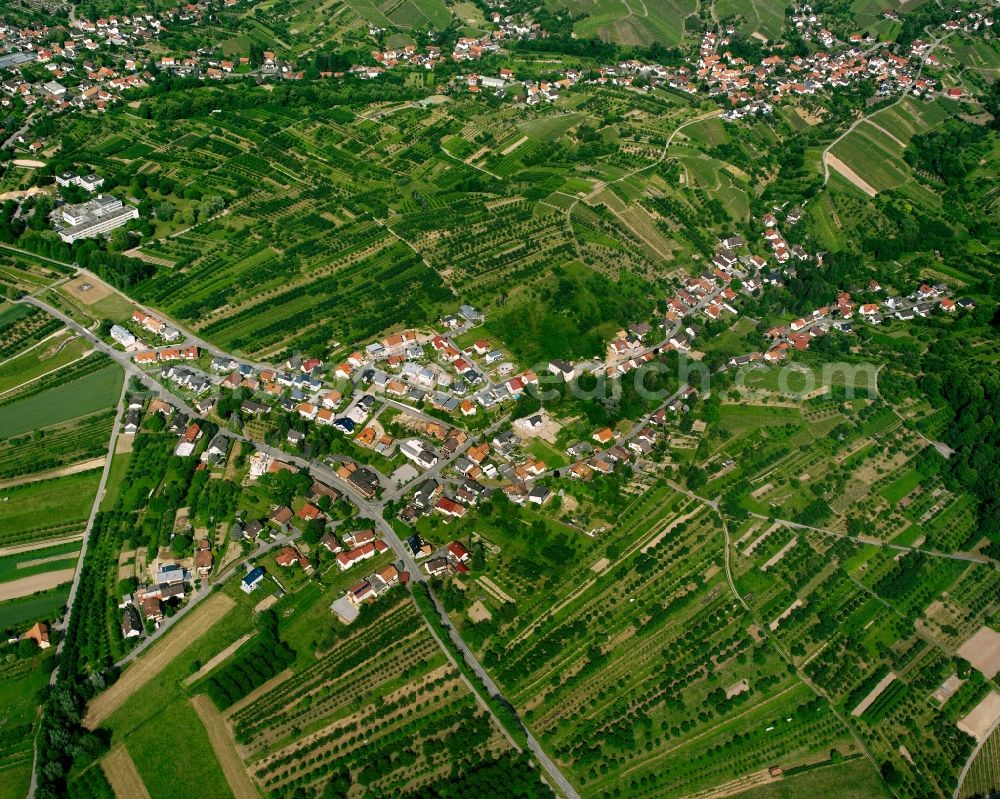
(902, 486)
(90, 393)
(116, 478)
(36, 510)
(546, 452)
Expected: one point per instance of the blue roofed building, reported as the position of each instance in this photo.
(251, 579)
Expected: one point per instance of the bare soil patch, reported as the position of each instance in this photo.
(19, 193)
(96, 292)
(791, 609)
(947, 689)
(151, 663)
(26, 586)
(845, 171)
(252, 697)
(739, 785)
(982, 718)
(600, 566)
(547, 430)
(777, 556)
(808, 116)
(492, 588)
(121, 772)
(874, 694)
(63, 471)
(737, 688)
(27, 564)
(511, 147)
(478, 612)
(49, 542)
(265, 603)
(983, 651)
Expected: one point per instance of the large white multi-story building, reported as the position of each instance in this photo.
(89, 182)
(101, 215)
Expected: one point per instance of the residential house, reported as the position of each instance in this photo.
(131, 622)
(252, 579)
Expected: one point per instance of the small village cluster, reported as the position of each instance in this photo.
(170, 581)
(75, 81)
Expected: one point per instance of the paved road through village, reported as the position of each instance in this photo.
(367, 508)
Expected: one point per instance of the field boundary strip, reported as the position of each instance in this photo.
(221, 738)
(123, 776)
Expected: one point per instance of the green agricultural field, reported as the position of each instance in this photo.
(38, 561)
(856, 779)
(82, 396)
(317, 701)
(844, 623)
(56, 446)
(51, 355)
(162, 772)
(984, 776)
(299, 261)
(874, 155)
(902, 486)
(47, 508)
(620, 658)
(800, 379)
(766, 17)
(634, 22)
(25, 611)
(22, 329)
(21, 682)
(727, 597)
(981, 56)
(12, 312)
(551, 127)
(163, 703)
